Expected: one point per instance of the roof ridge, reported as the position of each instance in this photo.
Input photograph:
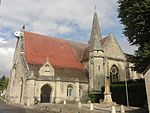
(61, 39)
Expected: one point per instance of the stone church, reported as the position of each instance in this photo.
(51, 70)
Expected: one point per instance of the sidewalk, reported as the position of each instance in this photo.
(73, 108)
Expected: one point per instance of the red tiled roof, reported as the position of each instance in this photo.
(61, 53)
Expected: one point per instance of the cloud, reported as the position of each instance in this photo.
(6, 56)
(7, 48)
(69, 19)
(45, 15)
(2, 41)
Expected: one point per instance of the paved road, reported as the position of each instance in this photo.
(5, 108)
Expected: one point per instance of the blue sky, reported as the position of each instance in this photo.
(67, 19)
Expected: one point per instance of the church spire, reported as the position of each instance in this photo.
(96, 45)
(95, 29)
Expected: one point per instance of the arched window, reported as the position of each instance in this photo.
(114, 74)
(80, 91)
(69, 90)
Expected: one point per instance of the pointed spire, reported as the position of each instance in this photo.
(96, 45)
(95, 29)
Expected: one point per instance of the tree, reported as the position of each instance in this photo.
(3, 83)
(135, 16)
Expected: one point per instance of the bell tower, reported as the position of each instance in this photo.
(96, 57)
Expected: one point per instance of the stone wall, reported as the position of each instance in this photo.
(58, 93)
(96, 71)
(147, 84)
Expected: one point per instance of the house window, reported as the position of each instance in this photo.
(69, 90)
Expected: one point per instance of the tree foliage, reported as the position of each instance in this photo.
(135, 16)
(3, 83)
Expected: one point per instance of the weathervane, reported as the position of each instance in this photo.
(0, 5)
(23, 27)
(95, 7)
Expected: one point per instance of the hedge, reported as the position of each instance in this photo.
(136, 93)
(95, 98)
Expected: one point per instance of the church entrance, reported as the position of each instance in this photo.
(46, 94)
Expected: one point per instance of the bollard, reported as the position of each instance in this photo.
(122, 109)
(46, 107)
(60, 110)
(113, 109)
(79, 104)
(91, 106)
(64, 101)
(89, 101)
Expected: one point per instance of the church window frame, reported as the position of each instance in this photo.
(69, 90)
(114, 74)
(80, 91)
(99, 67)
(46, 65)
(47, 68)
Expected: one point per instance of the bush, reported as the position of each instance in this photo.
(95, 97)
(136, 93)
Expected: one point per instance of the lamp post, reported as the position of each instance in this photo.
(126, 85)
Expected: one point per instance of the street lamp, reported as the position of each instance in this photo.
(126, 85)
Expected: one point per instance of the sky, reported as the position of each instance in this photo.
(66, 19)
